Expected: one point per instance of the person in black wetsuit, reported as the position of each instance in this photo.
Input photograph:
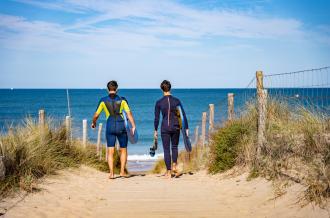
(170, 127)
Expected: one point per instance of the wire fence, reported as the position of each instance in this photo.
(305, 88)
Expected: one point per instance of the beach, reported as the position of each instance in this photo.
(86, 192)
(234, 95)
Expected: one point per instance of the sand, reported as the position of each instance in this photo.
(85, 192)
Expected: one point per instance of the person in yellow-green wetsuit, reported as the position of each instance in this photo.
(113, 106)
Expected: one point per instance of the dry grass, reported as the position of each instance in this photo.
(30, 152)
(297, 148)
(187, 161)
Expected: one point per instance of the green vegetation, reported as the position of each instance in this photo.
(31, 152)
(225, 146)
(297, 148)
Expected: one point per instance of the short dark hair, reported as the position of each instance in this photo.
(112, 85)
(165, 86)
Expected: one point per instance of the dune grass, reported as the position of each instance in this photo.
(29, 152)
(187, 161)
(297, 148)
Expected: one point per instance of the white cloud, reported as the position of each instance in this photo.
(145, 25)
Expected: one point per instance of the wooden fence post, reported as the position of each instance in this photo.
(261, 98)
(260, 81)
(211, 118)
(99, 140)
(262, 112)
(230, 106)
(196, 141)
(84, 133)
(203, 128)
(41, 117)
(68, 128)
(2, 169)
(196, 135)
(106, 154)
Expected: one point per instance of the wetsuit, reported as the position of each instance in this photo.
(113, 106)
(170, 127)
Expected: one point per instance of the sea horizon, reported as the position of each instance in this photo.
(18, 104)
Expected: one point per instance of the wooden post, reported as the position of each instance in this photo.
(84, 133)
(106, 154)
(230, 106)
(260, 82)
(98, 145)
(2, 169)
(41, 117)
(211, 118)
(196, 135)
(262, 112)
(68, 128)
(196, 141)
(203, 128)
(101, 152)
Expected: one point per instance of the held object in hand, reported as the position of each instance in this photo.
(153, 147)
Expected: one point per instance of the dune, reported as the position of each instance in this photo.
(85, 192)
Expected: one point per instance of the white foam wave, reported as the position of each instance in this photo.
(143, 157)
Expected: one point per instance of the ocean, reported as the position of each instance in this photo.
(18, 104)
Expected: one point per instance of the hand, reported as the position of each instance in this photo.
(156, 134)
(187, 132)
(133, 130)
(93, 125)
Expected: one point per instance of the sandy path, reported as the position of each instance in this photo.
(86, 192)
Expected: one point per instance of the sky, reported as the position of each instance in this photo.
(194, 44)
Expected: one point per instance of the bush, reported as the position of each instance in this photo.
(225, 146)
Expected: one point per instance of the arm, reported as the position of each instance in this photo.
(97, 114)
(185, 118)
(95, 117)
(131, 119)
(129, 113)
(156, 120)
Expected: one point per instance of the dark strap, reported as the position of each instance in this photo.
(113, 107)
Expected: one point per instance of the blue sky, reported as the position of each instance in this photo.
(195, 44)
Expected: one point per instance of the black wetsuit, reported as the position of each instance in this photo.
(170, 127)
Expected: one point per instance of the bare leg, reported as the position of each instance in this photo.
(123, 161)
(111, 151)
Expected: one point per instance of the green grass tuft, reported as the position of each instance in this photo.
(225, 146)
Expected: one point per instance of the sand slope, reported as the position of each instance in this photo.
(86, 192)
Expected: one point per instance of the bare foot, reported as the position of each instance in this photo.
(125, 175)
(168, 174)
(111, 176)
(175, 170)
(176, 173)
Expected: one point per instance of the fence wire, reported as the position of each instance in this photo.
(306, 88)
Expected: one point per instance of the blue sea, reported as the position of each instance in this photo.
(17, 104)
